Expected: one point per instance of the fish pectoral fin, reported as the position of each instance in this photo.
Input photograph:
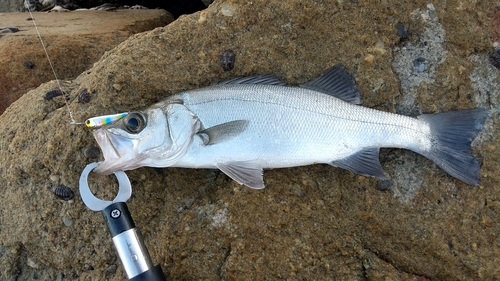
(223, 132)
(336, 82)
(248, 173)
(365, 162)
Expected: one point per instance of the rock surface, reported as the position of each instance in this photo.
(74, 40)
(312, 223)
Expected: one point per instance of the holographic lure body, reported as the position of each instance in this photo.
(99, 121)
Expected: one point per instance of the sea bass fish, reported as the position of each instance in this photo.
(248, 124)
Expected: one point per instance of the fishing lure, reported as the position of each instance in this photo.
(104, 120)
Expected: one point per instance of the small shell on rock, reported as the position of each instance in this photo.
(91, 152)
(83, 96)
(53, 93)
(227, 59)
(61, 191)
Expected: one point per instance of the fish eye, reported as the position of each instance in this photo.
(134, 122)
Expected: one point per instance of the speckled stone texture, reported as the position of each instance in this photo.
(309, 223)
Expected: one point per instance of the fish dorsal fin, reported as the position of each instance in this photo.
(248, 173)
(262, 79)
(336, 82)
(223, 132)
(365, 162)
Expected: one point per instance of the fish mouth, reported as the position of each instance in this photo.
(109, 151)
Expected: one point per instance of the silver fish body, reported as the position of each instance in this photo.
(249, 124)
(291, 126)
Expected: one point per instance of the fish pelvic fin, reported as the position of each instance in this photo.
(365, 162)
(452, 134)
(248, 173)
(336, 82)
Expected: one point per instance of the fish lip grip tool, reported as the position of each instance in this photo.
(128, 242)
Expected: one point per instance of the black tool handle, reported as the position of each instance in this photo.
(118, 218)
(129, 244)
(153, 274)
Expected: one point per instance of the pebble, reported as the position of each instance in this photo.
(111, 269)
(369, 58)
(402, 31)
(227, 59)
(31, 263)
(9, 30)
(117, 87)
(228, 9)
(419, 64)
(67, 221)
(384, 185)
(29, 64)
(495, 58)
(92, 152)
(203, 17)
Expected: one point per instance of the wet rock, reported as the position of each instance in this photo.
(199, 224)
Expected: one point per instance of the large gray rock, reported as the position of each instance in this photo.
(312, 223)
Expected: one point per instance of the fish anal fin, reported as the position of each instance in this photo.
(365, 162)
(223, 132)
(248, 173)
(336, 82)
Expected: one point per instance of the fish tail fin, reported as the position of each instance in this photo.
(452, 134)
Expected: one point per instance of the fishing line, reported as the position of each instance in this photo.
(26, 4)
